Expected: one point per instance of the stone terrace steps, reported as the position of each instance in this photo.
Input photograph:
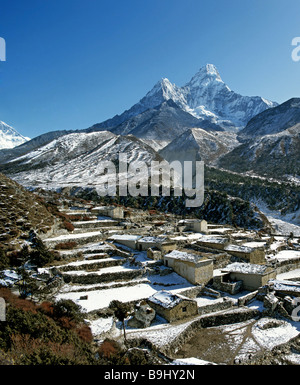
(95, 223)
(106, 286)
(82, 238)
(92, 265)
(115, 273)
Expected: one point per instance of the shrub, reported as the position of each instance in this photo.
(67, 308)
(112, 352)
(40, 255)
(65, 245)
(68, 226)
(4, 260)
(32, 335)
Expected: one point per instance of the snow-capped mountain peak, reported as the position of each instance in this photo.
(163, 91)
(205, 75)
(206, 97)
(9, 137)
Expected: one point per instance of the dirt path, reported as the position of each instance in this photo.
(221, 345)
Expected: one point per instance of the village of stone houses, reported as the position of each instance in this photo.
(196, 292)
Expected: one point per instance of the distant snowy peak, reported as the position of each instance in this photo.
(207, 97)
(163, 91)
(9, 137)
(204, 76)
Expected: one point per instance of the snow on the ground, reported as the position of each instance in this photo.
(101, 325)
(204, 300)
(72, 236)
(254, 244)
(283, 225)
(103, 270)
(91, 261)
(160, 335)
(269, 337)
(287, 254)
(289, 275)
(99, 299)
(191, 361)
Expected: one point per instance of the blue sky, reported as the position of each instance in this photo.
(73, 63)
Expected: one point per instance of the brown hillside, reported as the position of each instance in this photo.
(20, 211)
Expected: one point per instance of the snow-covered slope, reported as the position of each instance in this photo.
(275, 155)
(273, 121)
(198, 144)
(74, 159)
(205, 97)
(9, 137)
(271, 143)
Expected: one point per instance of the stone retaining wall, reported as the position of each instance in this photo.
(101, 278)
(288, 265)
(92, 266)
(227, 303)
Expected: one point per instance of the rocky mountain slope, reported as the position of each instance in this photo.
(272, 121)
(41, 140)
(162, 123)
(198, 144)
(164, 114)
(271, 143)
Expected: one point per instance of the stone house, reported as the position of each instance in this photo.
(171, 306)
(218, 243)
(115, 212)
(194, 268)
(252, 276)
(223, 282)
(195, 225)
(143, 315)
(253, 255)
(154, 253)
(128, 240)
(163, 244)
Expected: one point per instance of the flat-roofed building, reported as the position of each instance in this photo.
(194, 268)
(253, 276)
(171, 306)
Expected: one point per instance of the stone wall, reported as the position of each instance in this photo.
(192, 292)
(288, 265)
(102, 278)
(226, 303)
(227, 286)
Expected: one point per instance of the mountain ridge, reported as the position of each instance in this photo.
(199, 98)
